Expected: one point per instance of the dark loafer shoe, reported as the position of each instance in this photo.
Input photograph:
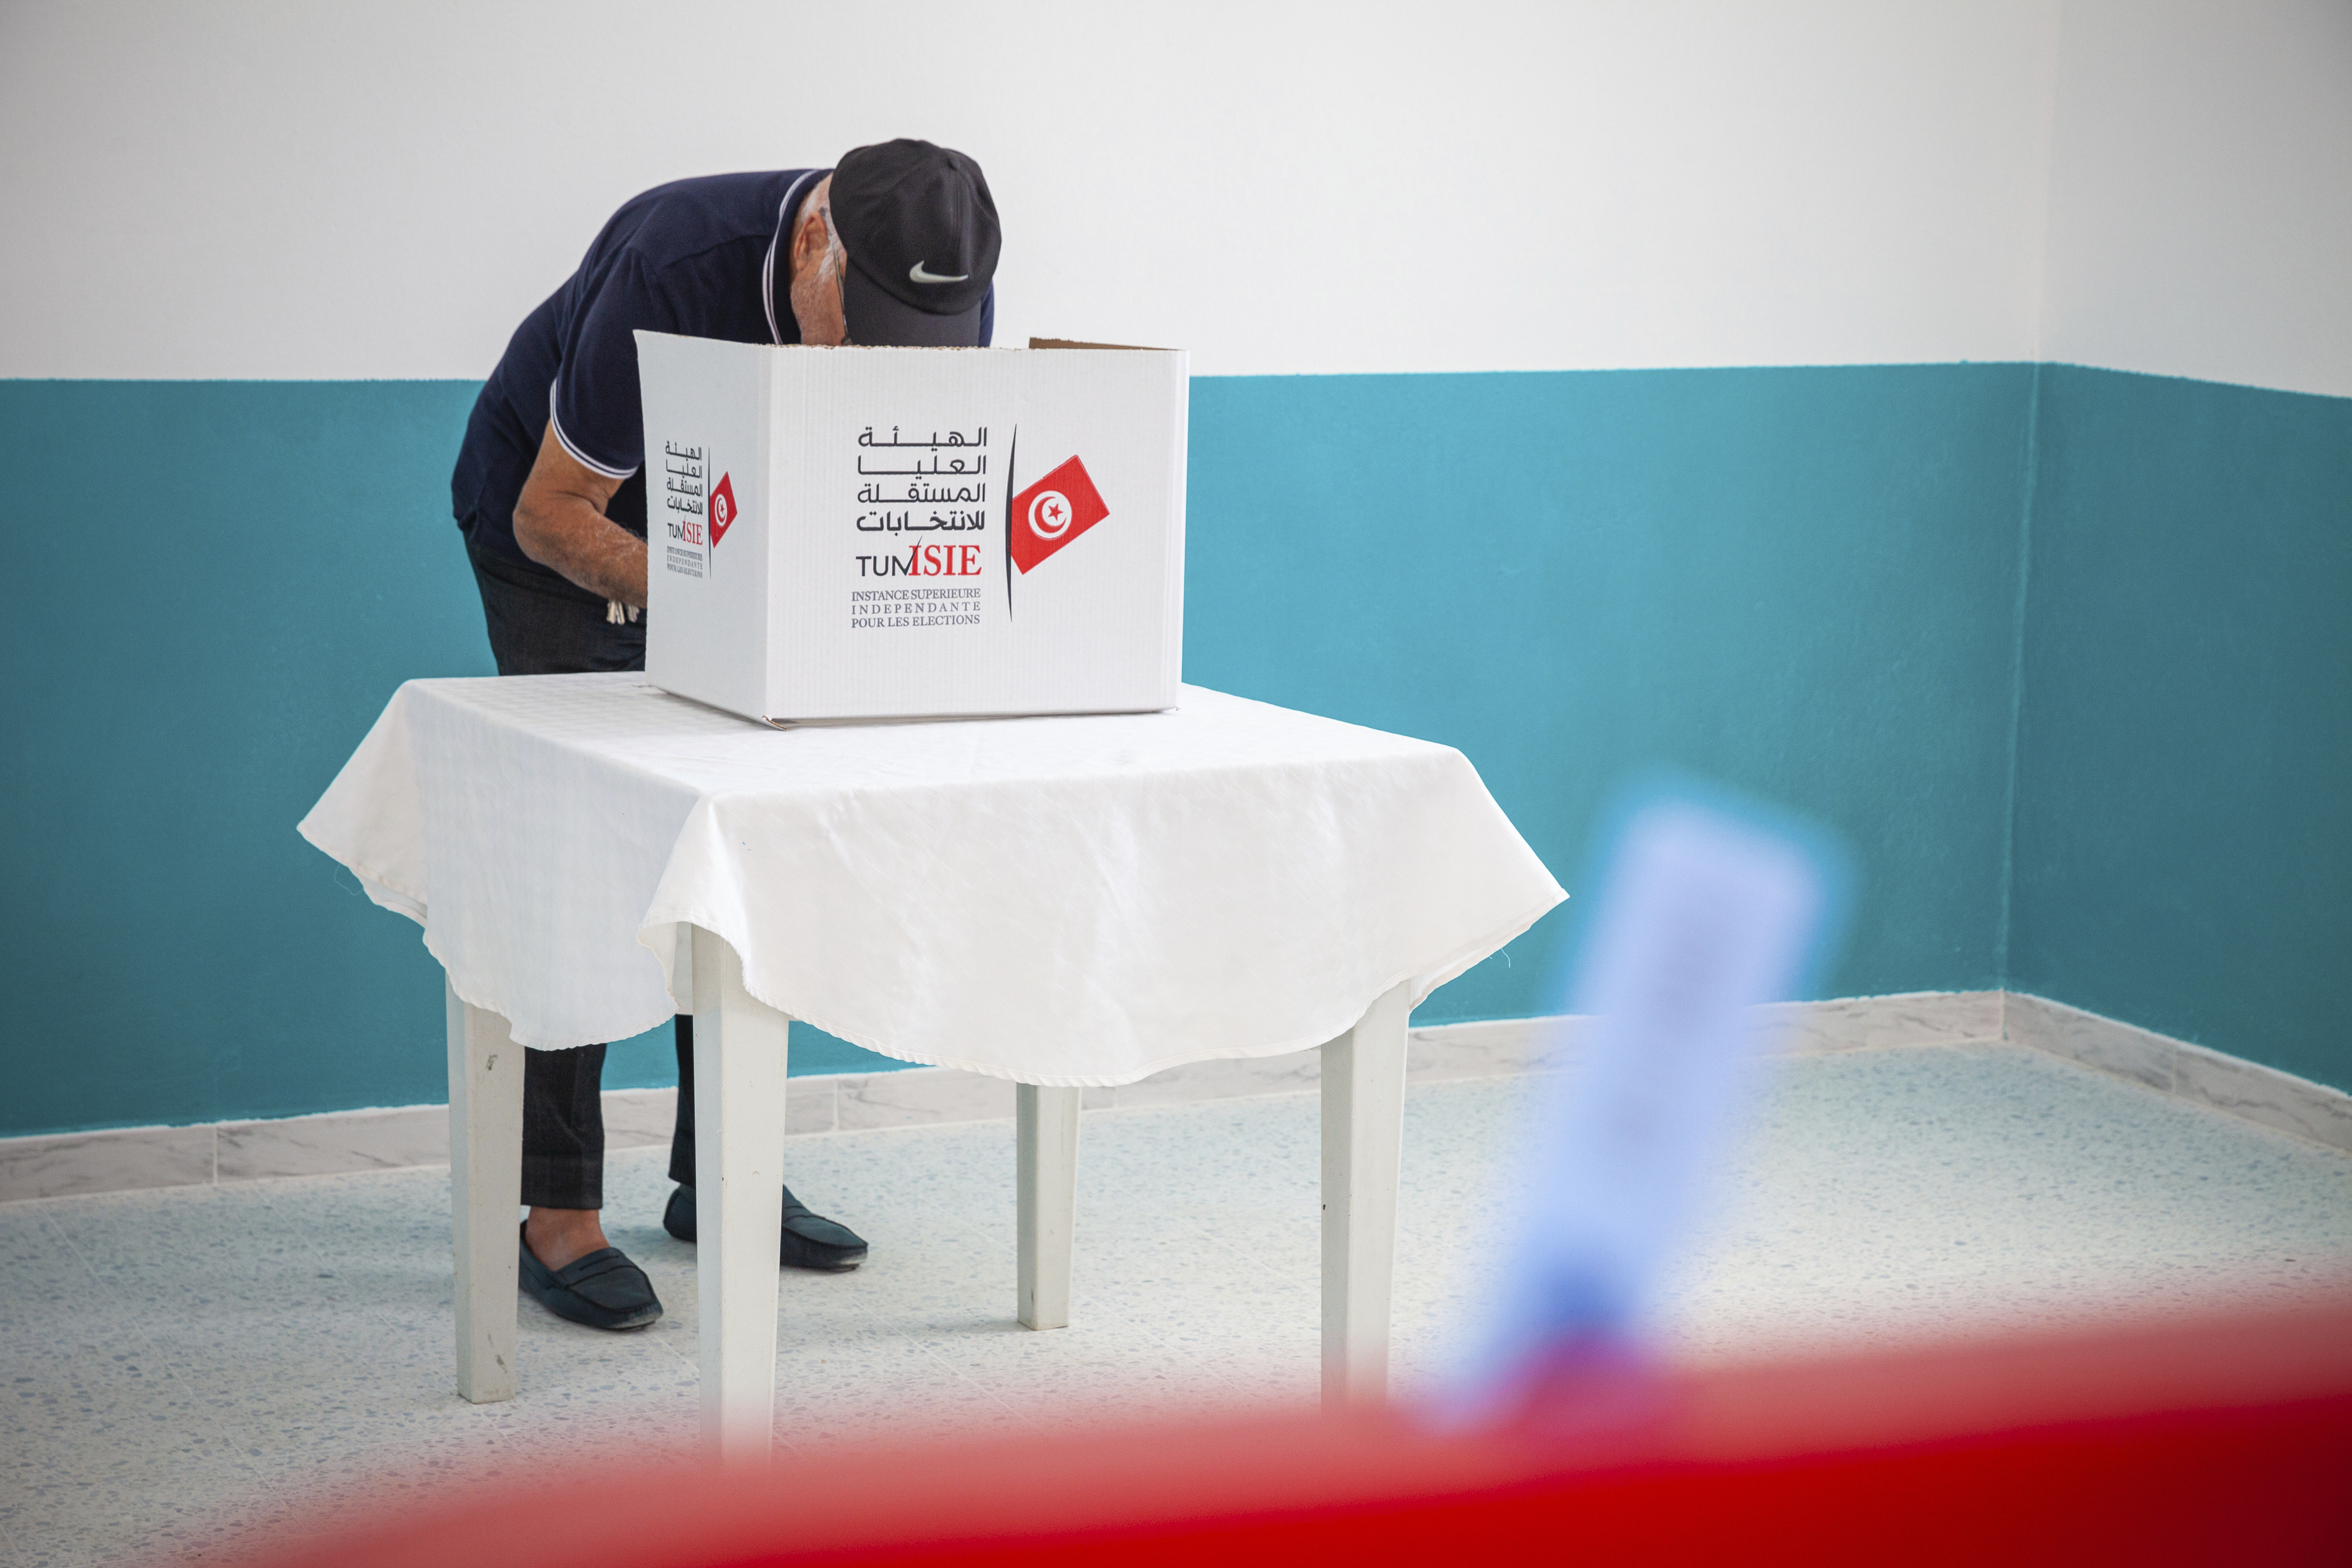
(602, 1290)
(809, 1241)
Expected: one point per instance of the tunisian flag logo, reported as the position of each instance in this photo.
(722, 509)
(1052, 512)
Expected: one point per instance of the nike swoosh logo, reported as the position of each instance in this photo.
(920, 276)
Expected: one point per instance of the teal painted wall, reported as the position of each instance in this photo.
(1802, 582)
(2184, 802)
(214, 588)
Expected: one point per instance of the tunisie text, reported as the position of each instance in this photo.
(923, 560)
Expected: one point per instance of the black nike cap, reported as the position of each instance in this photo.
(920, 230)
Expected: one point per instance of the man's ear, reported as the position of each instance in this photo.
(809, 239)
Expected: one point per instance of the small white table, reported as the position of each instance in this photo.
(1088, 900)
(739, 1108)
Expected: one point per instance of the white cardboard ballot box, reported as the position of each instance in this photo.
(898, 533)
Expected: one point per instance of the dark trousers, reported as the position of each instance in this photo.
(540, 625)
(563, 1124)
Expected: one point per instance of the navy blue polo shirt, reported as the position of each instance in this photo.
(706, 258)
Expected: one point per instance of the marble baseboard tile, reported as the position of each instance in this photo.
(1224, 1079)
(333, 1144)
(640, 1118)
(2264, 1094)
(343, 1141)
(2095, 1041)
(812, 1104)
(920, 1096)
(116, 1161)
(2192, 1072)
(1849, 1023)
(1860, 1023)
(1493, 1047)
(645, 1118)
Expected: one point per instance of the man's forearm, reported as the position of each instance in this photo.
(569, 536)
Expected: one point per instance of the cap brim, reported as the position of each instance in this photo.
(879, 320)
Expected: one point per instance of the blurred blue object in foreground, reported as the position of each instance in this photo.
(1708, 906)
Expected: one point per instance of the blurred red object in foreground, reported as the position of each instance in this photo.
(2216, 1441)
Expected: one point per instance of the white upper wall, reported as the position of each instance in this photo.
(2202, 191)
(296, 190)
(248, 189)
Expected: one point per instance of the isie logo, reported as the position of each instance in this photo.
(1051, 513)
(697, 512)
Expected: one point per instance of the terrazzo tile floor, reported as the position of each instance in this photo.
(187, 1370)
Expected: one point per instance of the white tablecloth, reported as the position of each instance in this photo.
(1058, 901)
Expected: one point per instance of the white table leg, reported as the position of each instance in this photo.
(1047, 1134)
(1363, 1140)
(739, 1181)
(485, 1194)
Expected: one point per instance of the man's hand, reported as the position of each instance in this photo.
(559, 523)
